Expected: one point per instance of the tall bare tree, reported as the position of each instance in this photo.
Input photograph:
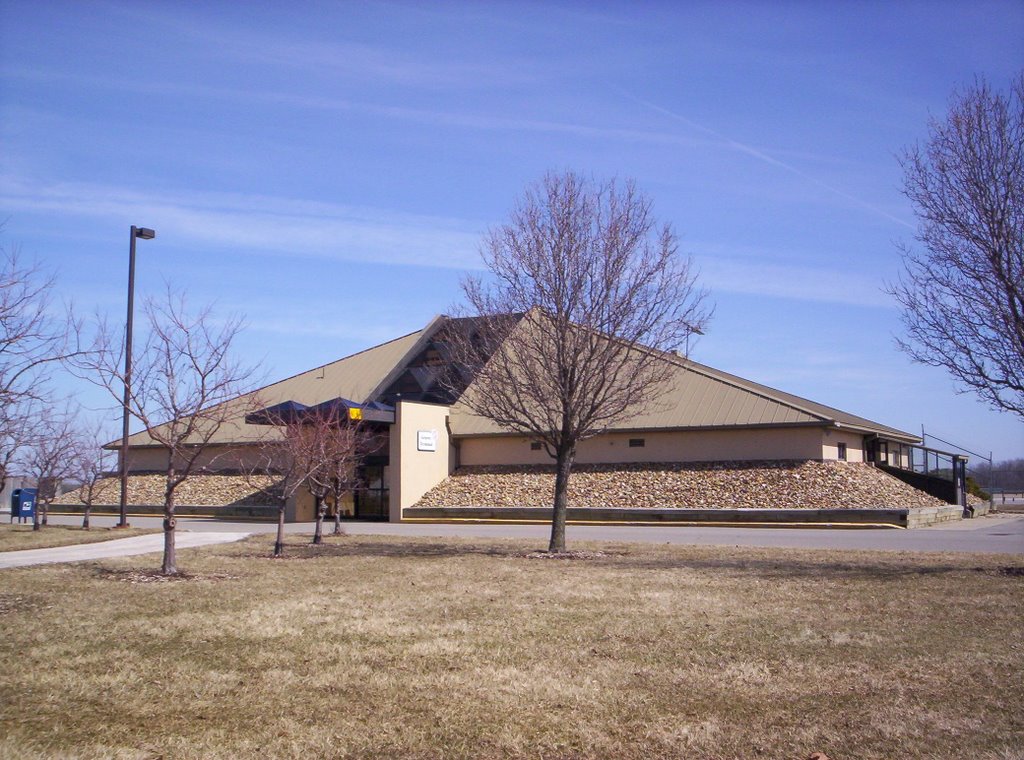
(50, 455)
(963, 294)
(604, 292)
(16, 422)
(91, 468)
(184, 390)
(33, 342)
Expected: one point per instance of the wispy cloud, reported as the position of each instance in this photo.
(381, 63)
(434, 117)
(764, 157)
(780, 279)
(319, 325)
(257, 223)
(362, 63)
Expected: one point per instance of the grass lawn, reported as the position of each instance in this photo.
(413, 648)
(17, 536)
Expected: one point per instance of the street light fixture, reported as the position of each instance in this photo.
(146, 234)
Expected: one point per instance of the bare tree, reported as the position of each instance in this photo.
(332, 445)
(604, 292)
(50, 455)
(286, 452)
(351, 444)
(15, 435)
(319, 449)
(185, 388)
(963, 295)
(32, 343)
(272, 461)
(91, 468)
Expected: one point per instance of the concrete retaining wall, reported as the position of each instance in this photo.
(234, 512)
(978, 510)
(895, 517)
(924, 516)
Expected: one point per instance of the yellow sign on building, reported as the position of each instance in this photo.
(355, 414)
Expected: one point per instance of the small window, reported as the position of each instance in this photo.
(841, 451)
(636, 443)
(535, 446)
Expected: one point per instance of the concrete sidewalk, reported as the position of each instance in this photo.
(118, 547)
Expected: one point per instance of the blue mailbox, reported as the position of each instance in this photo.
(23, 504)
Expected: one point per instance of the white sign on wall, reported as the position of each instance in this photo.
(426, 440)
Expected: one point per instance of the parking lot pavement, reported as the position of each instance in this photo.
(118, 547)
(996, 533)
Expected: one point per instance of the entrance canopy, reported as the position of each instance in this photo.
(289, 412)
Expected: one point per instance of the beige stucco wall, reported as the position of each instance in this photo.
(414, 472)
(147, 459)
(854, 445)
(302, 506)
(215, 458)
(671, 446)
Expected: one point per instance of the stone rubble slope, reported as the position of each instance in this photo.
(199, 490)
(703, 485)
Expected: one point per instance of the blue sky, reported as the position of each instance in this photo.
(328, 169)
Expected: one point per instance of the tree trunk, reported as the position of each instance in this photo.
(337, 514)
(46, 510)
(170, 566)
(85, 517)
(318, 534)
(279, 543)
(563, 466)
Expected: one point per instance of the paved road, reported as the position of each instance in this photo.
(1001, 533)
(120, 547)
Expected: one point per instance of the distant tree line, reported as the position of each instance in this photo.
(1000, 476)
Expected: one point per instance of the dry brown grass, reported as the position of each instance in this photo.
(17, 536)
(406, 648)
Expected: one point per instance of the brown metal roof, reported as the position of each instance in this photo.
(697, 397)
(828, 413)
(700, 397)
(353, 377)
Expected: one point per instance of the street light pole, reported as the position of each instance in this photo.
(146, 234)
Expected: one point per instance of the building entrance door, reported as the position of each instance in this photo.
(371, 501)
